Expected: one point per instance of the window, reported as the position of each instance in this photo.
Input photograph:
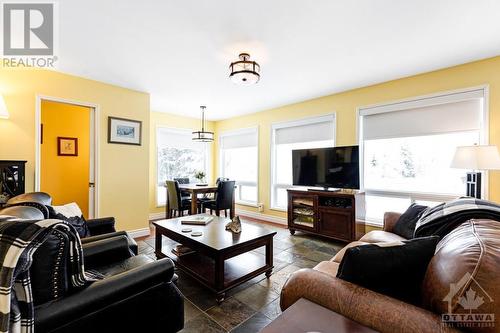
(178, 156)
(239, 162)
(408, 147)
(316, 132)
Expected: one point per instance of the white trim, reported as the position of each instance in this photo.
(157, 216)
(285, 124)
(136, 233)
(239, 131)
(263, 217)
(38, 119)
(373, 223)
(444, 97)
(208, 155)
(304, 121)
(422, 101)
(251, 129)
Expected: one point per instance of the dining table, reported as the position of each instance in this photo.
(195, 189)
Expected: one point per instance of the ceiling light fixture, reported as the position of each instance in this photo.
(203, 136)
(244, 71)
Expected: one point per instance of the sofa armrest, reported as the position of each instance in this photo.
(132, 244)
(369, 308)
(390, 219)
(101, 225)
(106, 251)
(103, 293)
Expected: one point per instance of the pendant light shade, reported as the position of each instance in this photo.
(244, 71)
(203, 136)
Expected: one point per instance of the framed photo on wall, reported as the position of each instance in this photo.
(67, 146)
(124, 131)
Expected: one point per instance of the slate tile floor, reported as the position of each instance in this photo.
(251, 306)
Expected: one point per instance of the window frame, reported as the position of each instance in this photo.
(188, 131)
(273, 185)
(252, 129)
(415, 102)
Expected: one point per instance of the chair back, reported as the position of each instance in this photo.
(23, 212)
(224, 194)
(221, 179)
(182, 180)
(173, 194)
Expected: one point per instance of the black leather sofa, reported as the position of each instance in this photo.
(135, 294)
(100, 228)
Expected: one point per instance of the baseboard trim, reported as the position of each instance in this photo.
(261, 216)
(136, 233)
(242, 212)
(156, 216)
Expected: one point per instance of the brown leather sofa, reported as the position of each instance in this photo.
(467, 258)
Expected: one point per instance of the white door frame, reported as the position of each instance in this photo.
(94, 142)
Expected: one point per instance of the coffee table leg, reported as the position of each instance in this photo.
(220, 297)
(158, 245)
(219, 278)
(269, 257)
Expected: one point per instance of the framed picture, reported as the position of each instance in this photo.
(67, 146)
(124, 131)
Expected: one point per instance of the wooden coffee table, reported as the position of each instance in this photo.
(222, 260)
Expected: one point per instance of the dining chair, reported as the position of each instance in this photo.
(223, 198)
(174, 200)
(183, 180)
(209, 196)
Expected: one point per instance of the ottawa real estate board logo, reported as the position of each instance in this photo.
(467, 302)
(29, 34)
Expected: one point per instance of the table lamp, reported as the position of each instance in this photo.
(475, 158)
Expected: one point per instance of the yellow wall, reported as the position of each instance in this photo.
(345, 104)
(123, 169)
(66, 178)
(160, 119)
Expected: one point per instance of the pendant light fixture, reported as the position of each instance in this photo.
(244, 71)
(203, 136)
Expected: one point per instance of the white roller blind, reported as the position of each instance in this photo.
(442, 118)
(167, 137)
(314, 131)
(247, 138)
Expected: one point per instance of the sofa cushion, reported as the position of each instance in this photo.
(379, 236)
(328, 267)
(405, 226)
(395, 269)
(338, 257)
(463, 275)
(72, 214)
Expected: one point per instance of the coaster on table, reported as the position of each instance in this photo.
(196, 233)
(187, 230)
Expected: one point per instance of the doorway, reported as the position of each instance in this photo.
(66, 153)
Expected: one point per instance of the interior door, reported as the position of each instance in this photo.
(66, 168)
(92, 166)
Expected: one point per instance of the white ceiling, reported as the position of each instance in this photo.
(179, 51)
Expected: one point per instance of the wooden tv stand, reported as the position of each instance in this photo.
(337, 215)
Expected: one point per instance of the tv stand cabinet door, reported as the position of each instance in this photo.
(336, 223)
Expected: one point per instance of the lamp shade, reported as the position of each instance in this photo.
(476, 158)
(3, 109)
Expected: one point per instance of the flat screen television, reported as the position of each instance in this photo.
(336, 167)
